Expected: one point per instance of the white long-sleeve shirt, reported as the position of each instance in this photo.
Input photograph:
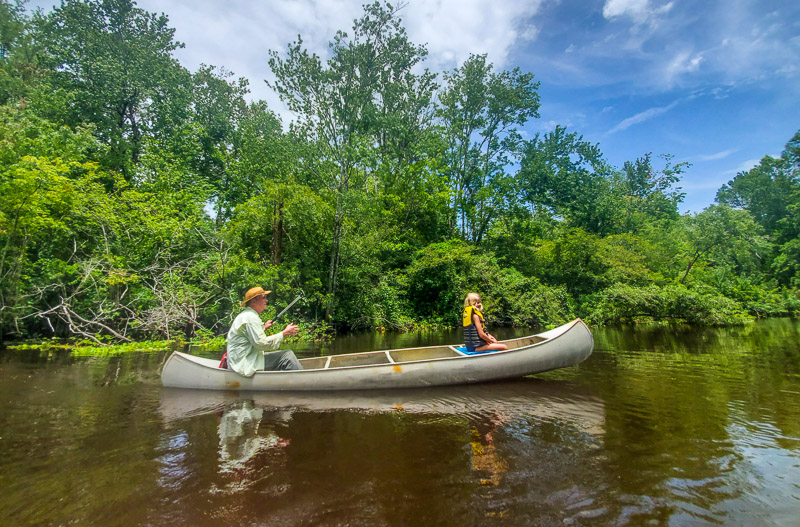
(247, 343)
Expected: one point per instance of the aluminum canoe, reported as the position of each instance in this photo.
(561, 347)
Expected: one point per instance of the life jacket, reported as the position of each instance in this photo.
(224, 362)
(471, 338)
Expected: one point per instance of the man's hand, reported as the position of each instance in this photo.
(268, 324)
(290, 330)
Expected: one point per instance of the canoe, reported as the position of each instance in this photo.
(561, 347)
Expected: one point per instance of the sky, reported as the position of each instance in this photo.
(715, 83)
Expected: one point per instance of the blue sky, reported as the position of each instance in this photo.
(714, 83)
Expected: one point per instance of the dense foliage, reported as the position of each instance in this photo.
(140, 199)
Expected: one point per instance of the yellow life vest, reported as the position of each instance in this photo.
(467, 315)
(471, 338)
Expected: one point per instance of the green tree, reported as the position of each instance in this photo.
(12, 24)
(563, 175)
(44, 177)
(115, 62)
(651, 194)
(20, 50)
(768, 190)
(218, 106)
(720, 235)
(261, 154)
(339, 103)
(479, 112)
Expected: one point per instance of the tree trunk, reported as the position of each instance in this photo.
(333, 270)
(277, 234)
(694, 261)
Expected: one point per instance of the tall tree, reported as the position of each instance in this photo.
(768, 190)
(563, 175)
(116, 62)
(218, 106)
(480, 110)
(20, 72)
(720, 235)
(651, 194)
(339, 105)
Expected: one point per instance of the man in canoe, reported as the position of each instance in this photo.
(248, 345)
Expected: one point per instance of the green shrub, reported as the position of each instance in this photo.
(624, 303)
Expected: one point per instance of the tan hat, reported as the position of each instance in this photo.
(252, 293)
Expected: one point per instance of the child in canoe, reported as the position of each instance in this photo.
(475, 338)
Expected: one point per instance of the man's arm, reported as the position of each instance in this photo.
(259, 339)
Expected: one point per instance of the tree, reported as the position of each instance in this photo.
(44, 178)
(20, 71)
(651, 194)
(12, 24)
(479, 113)
(261, 154)
(767, 190)
(339, 103)
(218, 106)
(115, 61)
(721, 234)
(563, 175)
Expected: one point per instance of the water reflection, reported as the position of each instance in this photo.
(485, 456)
(506, 401)
(662, 426)
(323, 452)
(240, 438)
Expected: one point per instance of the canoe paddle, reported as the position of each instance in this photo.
(301, 295)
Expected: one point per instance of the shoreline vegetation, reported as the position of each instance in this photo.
(140, 199)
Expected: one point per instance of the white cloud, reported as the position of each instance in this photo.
(745, 166)
(681, 63)
(716, 156)
(633, 8)
(452, 29)
(238, 34)
(720, 93)
(642, 117)
(639, 11)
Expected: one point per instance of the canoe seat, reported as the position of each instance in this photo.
(465, 351)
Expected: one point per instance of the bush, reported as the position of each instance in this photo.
(623, 303)
(442, 274)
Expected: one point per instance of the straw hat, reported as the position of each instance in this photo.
(252, 293)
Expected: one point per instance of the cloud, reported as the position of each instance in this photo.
(689, 44)
(642, 117)
(745, 166)
(681, 63)
(453, 29)
(716, 156)
(238, 34)
(639, 11)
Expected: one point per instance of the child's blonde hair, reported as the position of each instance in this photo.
(472, 299)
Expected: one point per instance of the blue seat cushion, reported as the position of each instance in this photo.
(467, 351)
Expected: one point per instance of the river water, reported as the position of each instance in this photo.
(660, 426)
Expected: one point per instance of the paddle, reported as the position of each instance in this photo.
(301, 295)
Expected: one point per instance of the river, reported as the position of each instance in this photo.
(666, 425)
